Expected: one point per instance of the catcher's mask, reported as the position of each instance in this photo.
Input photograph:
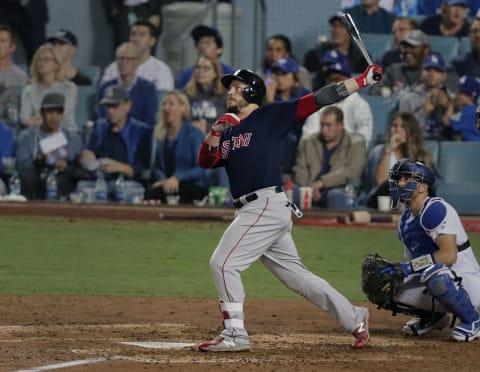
(254, 92)
(415, 172)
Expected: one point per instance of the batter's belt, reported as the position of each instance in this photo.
(245, 199)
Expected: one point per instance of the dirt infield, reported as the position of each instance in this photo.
(291, 335)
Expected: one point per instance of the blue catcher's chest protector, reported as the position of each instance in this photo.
(412, 228)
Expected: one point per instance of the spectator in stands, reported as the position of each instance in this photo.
(28, 19)
(429, 7)
(326, 160)
(123, 13)
(208, 42)
(430, 101)
(12, 78)
(285, 82)
(143, 95)
(119, 144)
(7, 144)
(464, 119)
(47, 77)
(341, 42)
(469, 63)
(357, 115)
(403, 140)
(176, 171)
(451, 21)
(279, 46)
(401, 8)
(285, 85)
(143, 34)
(66, 43)
(370, 17)
(402, 76)
(400, 29)
(205, 93)
(48, 147)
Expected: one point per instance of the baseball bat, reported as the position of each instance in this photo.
(352, 30)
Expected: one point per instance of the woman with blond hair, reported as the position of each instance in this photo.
(47, 77)
(206, 93)
(176, 172)
(404, 140)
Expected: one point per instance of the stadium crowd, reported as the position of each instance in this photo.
(147, 123)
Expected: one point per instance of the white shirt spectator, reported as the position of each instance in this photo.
(153, 69)
(357, 118)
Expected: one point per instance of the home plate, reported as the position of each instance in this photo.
(159, 345)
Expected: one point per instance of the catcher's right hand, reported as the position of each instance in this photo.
(380, 279)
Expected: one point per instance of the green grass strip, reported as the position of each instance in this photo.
(58, 256)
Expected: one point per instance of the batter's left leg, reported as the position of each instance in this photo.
(283, 261)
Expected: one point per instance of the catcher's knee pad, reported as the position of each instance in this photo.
(442, 287)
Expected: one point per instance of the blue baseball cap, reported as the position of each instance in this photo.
(434, 61)
(339, 67)
(469, 85)
(333, 56)
(286, 65)
(456, 2)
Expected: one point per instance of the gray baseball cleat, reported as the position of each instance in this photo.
(227, 341)
(361, 334)
(419, 326)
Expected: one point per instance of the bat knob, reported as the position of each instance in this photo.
(377, 76)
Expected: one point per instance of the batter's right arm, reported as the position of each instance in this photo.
(333, 93)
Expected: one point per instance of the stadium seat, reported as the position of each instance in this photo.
(464, 45)
(448, 46)
(382, 111)
(85, 105)
(459, 180)
(377, 44)
(434, 147)
(93, 72)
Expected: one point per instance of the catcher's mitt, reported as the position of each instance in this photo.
(380, 279)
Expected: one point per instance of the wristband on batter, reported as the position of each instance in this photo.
(215, 133)
(417, 264)
(361, 80)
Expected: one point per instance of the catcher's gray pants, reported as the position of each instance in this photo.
(262, 230)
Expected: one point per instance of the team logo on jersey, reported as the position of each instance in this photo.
(242, 140)
(237, 142)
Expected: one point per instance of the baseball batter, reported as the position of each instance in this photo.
(442, 275)
(250, 146)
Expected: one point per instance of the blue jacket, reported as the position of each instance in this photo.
(465, 122)
(28, 147)
(145, 101)
(7, 143)
(189, 140)
(136, 135)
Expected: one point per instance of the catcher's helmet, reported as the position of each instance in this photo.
(255, 92)
(415, 171)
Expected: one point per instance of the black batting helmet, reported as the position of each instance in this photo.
(255, 92)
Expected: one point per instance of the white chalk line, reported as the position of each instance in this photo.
(72, 363)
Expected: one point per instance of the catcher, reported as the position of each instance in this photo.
(441, 275)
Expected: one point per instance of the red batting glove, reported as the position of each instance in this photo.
(225, 121)
(372, 75)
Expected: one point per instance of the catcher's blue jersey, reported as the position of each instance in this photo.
(252, 152)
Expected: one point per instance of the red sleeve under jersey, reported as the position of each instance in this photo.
(306, 106)
(208, 157)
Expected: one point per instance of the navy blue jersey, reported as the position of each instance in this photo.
(252, 152)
